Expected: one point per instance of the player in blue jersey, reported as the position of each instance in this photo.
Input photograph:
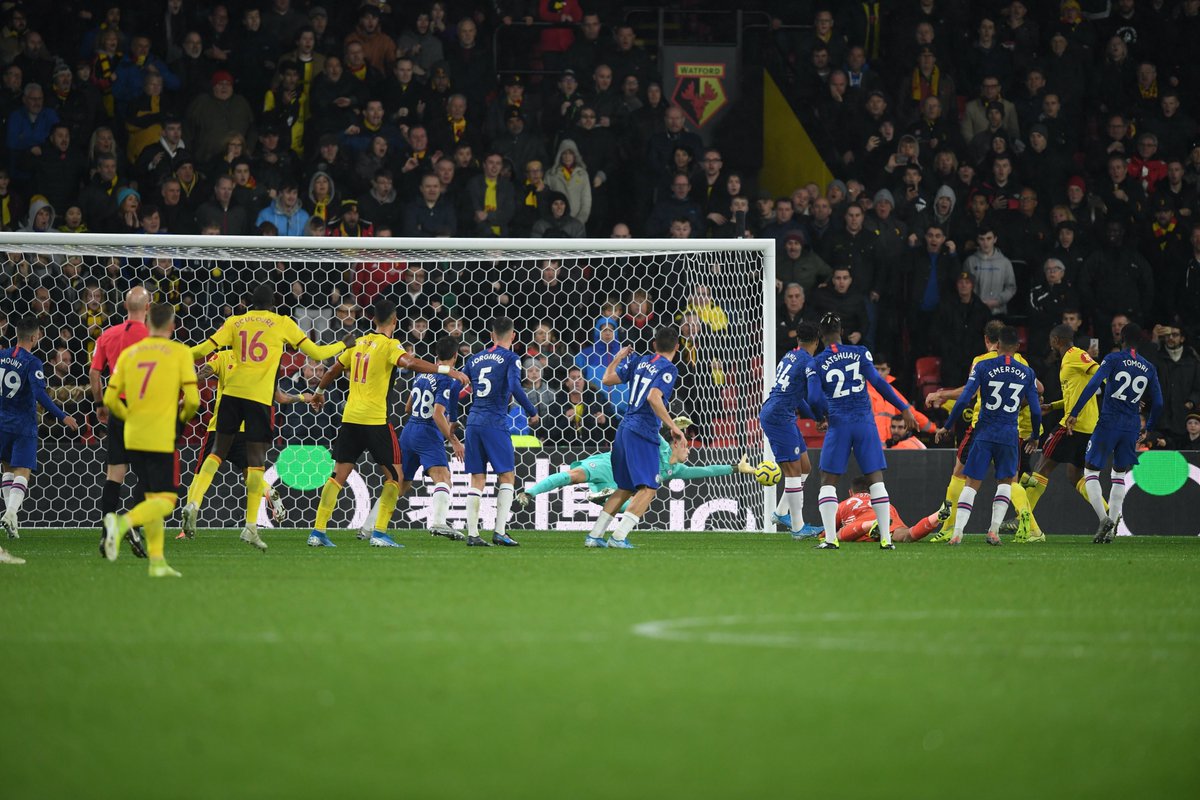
(837, 391)
(495, 374)
(432, 410)
(778, 420)
(635, 462)
(1003, 384)
(1127, 377)
(22, 390)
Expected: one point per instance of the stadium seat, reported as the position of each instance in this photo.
(1023, 336)
(929, 370)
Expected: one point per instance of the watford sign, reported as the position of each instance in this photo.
(700, 91)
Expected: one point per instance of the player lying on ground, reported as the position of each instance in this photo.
(1003, 383)
(22, 390)
(372, 363)
(837, 380)
(635, 453)
(496, 380)
(257, 338)
(144, 392)
(778, 419)
(1126, 376)
(596, 471)
(1029, 531)
(219, 365)
(856, 518)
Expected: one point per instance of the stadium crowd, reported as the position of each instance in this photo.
(1036, 162)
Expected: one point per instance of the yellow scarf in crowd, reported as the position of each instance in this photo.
(919, 82)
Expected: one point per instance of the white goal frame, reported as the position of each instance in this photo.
(421, 250)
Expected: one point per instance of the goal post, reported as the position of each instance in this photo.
(574, 301)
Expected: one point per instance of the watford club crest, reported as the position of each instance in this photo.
(699, 91)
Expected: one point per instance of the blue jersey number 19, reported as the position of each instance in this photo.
(11, 382)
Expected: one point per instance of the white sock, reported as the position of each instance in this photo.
(602, 523)
(827, 503)
(627, 523)
(504, 497)
(1000, 505)
(4, 487)
(473, 498)
(372, 516)
(793, 493)
(1095, 492)
(882, 506)
(966, 501)
(16, 494)
(441, 504)
(1116, 496)
(782, 506)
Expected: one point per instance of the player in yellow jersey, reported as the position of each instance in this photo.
(1027, 526)
(152, 374)
(371, 364)
(1065, 446)
(257, 339)
(219, 365)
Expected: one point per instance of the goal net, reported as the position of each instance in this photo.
(575, 303)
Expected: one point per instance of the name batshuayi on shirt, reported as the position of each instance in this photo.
(833, 358)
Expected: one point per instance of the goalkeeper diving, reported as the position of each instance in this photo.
(596, 471)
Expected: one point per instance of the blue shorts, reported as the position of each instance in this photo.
(786, 442)
(488, 446)
(983, 454)
(19, 449)
(1105, 442)
(634, 461)
(860, 438)
(421, 446)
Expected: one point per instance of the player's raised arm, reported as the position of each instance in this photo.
(222, 337)
(411, 362)
(613, 374)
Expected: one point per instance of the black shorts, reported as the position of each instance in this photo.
(258, 417)
(1024, 458)
(237, 451)
(1066, 448)
(354, 439)
(115, 444)
(156, 472)
(964, 445)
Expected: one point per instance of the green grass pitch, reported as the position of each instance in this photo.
(697, 666)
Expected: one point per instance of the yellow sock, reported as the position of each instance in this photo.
(329, 498)
(203, 480)
(953, 490)
(254, 493)
(1020, 501)
(149, 515)
(1035, 492)
(387, 505)
(1081, 487)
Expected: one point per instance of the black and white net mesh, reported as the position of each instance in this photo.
(574, 305)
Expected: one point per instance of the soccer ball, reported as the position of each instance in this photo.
(767, 473)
